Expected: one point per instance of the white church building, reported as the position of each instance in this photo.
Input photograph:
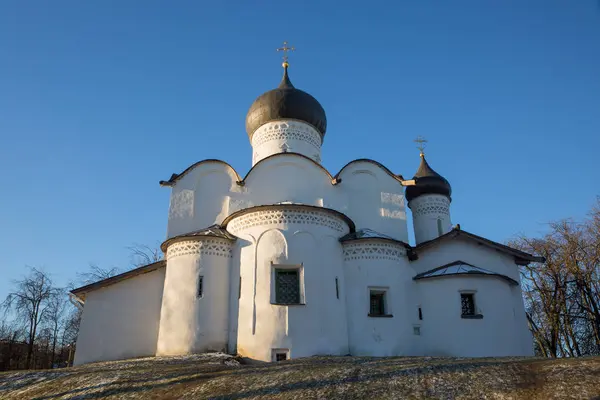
(291, 261)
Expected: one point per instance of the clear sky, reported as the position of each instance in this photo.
(99, 100)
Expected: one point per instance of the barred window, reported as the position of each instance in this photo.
(467, 303)
(287, 286)
(377, 303)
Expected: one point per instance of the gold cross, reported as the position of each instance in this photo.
(285, 50)
(420, 140)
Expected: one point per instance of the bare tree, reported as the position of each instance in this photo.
(30, 302)
(95, 274)
(142, 254)
(562, 295)
(54, 318)
(11, 334)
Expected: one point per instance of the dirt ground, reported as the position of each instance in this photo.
(221, 376)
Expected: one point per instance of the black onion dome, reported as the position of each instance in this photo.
(286, 102)
(427, 181)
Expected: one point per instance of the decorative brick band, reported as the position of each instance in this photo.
(286, 130)
(430, 205)
(373, 251)
(286, 216)
(202, 246)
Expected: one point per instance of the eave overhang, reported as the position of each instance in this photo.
(81, 292)
(215, 231)
(461, 268)
(520, 257)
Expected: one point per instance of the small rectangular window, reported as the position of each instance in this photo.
(467, 303)
(200, 291)
(280, 354)
(420, 314)
(417, 330)
(287, 286)
(377, 303)
(337, 288)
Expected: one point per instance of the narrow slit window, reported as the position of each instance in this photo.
(200, 292)
(439, 227)
(337, 288)
(420, 314)
(240, 289)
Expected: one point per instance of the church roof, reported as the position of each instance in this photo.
(521, 257)
(213, 231)
(286, 102)
(366, 233)
(460, 268)
(427, 181)
(83, 290)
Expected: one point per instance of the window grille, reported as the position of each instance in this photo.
(287, 286)
(467, 302)
(377, 303)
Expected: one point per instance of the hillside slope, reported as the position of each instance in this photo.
(220, 376)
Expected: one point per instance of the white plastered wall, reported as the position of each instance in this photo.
(201, 197)
(378, 265)
(319, 325)
(192, 324)
(427, 210)
(503, 329)
(286, 136)
(445, 333)
(121, 321)
(367, 194)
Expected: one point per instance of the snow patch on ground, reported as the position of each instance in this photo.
(222, 376)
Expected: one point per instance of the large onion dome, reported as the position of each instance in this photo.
(286, 102)
(427, 181)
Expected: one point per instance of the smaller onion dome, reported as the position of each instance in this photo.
(286, 102)
(427, 181)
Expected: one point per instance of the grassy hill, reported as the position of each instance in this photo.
(220, 376)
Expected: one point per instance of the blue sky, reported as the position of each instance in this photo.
(101, 100)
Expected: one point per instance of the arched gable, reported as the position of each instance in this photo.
(287, 177)
(375, 165)
(376, 197)
(200, 196)
(210, 163)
